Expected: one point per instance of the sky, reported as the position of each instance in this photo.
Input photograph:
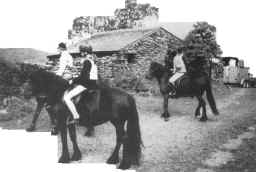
(42, 24)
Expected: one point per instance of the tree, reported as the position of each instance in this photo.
(201, 48)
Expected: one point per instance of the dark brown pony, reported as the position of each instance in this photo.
(114, 105)
(189, 86)
(45, 101)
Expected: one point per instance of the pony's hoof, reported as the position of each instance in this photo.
(76, 156)
(113, 160)
(216, 113)
(64, 159)
(166, 119)
(30, 129)
(197, 114)
(203, 119)
(54, 132)
(165, 115)
(124, 166)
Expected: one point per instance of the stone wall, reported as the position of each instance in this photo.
(131, 75)
(119, 71)
(153, 47)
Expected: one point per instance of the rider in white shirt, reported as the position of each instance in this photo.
(179, 69)
(65, 60)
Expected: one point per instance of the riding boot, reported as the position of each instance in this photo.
(172, 90)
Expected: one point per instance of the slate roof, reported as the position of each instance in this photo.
(115, 40)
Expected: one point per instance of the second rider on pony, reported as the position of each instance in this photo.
(179, 69)
(86, 80)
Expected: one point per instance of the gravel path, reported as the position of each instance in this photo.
(181, 144)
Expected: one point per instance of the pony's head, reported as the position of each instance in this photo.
(155, 70)
(42, 83)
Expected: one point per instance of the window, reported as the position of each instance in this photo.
(131, 58)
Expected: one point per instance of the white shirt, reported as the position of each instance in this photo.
(65, 60)
(94, 69)
(178, 64)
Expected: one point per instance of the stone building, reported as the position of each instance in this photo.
(124, 55)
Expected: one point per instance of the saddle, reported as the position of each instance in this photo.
(179, 82)
(90, 97)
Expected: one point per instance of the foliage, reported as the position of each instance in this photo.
(201, 46)
(11, 79)
(127, 17)
(122, 19)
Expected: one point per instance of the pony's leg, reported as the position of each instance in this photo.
(40, 105)
(72, 133)
(197, 112)
(204, 116)
(64, 158)
(165, 114)
(90, 128)
(114, 158)
(89, 125)
(52, 116)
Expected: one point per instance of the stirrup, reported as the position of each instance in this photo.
(173, 94)
(72, 121)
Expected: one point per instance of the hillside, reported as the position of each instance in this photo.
(29, 55)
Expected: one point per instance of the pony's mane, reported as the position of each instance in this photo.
(159, 66)
(45, 76)
(48, 82)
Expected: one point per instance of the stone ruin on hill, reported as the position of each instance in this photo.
(133, 16)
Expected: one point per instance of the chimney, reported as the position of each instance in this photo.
(129, 3)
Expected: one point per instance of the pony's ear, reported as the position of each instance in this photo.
(154, 65)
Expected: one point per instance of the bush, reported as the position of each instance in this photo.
(11, 79)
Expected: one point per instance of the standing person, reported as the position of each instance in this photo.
(86, 80)
(179, 69)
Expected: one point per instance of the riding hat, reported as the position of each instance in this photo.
(180, 49)
(89, 49)
(62, 46)
(85, 48)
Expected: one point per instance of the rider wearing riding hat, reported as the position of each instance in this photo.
(86, 80)
(179, 69)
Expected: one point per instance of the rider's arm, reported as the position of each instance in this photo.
(174, 68)
(85, 73)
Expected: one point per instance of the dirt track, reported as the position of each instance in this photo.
(183, 143)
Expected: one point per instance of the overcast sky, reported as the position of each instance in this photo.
(41, 24)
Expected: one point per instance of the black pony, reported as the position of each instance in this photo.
(46, 100)
(189, 86)
(114, 105)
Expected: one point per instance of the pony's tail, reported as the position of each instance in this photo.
(134, 141)
(211, 99)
